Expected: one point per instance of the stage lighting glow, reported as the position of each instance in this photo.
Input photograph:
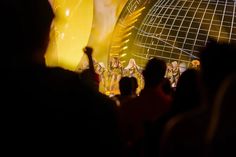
(67, 12)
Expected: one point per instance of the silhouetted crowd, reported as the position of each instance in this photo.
(53, 111)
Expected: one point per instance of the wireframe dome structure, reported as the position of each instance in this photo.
(174, 30)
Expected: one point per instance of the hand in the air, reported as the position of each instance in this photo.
(88, 50)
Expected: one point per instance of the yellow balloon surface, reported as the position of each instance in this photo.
(79, 23)
(70, 32)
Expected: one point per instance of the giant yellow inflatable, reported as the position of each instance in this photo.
(79, 23)
(70, 32)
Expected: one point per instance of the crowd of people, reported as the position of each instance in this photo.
(53, 111)
(110, 77)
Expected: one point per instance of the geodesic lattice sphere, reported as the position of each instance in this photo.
(175, 30)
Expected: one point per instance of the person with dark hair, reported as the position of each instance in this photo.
(188, 91)
(50, 110)
(187, 97)
(134, 86)
(154, 73)
(217, 62)
(167, 88)
(125, 86)
(139, 114)
(185, 134)
(89, 75)
(126, 91)
(218, 70)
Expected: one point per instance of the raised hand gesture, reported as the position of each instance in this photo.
(88, 51)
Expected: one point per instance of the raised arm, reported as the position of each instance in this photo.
(88, 51)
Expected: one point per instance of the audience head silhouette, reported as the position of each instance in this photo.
(167, 87)
(56, 111)
(134, 85)
(217, 62)
(26, 30)
(125, 86)
(188, 91)
(154, 72)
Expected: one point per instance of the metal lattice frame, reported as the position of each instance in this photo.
(177, 29)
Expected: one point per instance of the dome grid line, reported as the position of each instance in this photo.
(176, 30)
(160, 34)
(232, 24)
(148, 17)
(169, 31)
(212, 19)
(226, 1)
(152, 18)
(159, 6)
(199, 27)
